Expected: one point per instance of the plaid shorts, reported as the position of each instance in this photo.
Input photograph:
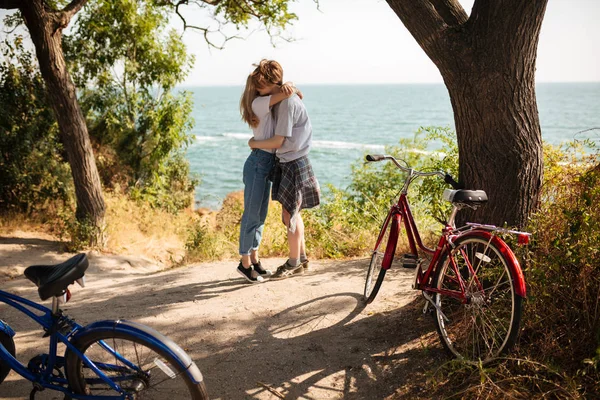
(295, 187)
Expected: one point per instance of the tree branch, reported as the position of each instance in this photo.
(451, 12)
(10, 4)
(73, 8)
(61, 18)
(422, 20)
(525, 19)
(206, 31)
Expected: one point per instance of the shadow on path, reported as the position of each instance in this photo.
(308, 337)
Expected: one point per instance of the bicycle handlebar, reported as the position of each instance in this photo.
(444, 175)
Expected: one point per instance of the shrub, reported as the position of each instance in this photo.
(33, 173)
(562, 321)
(559, 349)
(350, 218)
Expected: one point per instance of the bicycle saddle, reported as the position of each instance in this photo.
(467, 197)
(53, 280)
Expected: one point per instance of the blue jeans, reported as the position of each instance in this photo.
(256, 199)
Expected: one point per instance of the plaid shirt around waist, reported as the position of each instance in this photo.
(295, 187)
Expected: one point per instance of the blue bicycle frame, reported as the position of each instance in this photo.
(49, 321)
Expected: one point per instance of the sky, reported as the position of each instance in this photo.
(363, 41)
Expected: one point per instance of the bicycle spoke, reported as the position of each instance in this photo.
(481, 327)
(483, 337)
(145, 378)
(487, 323)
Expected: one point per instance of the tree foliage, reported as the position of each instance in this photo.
(128, 63)
(32, 170)
(272, 15)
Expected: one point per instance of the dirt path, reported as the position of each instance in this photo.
(306, 337)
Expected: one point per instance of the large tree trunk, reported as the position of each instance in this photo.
(45, 28)
(487, 61)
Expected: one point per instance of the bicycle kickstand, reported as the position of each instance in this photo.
(430, 300)
(36, 388)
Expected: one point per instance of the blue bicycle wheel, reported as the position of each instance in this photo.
(140, 368)
(9, 345)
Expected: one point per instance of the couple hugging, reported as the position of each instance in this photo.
(282, 137)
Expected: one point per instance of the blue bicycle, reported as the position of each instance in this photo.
(104, 360)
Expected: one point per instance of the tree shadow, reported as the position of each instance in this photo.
(40, 252)
(33, 242)
(329, 346)
(367, 358)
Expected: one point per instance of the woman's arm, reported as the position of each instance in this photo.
(286, 90)
(273, 143)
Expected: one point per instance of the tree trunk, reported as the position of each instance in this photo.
(487, 61)
(45, 28)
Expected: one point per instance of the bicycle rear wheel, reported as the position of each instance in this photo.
(487, 325)
(139, 367)
(9, 345)
(381, 259)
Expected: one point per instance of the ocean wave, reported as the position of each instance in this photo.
(223, 136)
(439, 154)
(329, 144)
(204, 139)
(236, 135)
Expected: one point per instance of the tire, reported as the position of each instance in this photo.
(9, 345)
(152, 383)
(381, 260)
(487, 325)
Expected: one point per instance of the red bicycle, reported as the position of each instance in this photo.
(472, 279)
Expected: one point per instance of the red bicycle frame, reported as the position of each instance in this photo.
(400, 212)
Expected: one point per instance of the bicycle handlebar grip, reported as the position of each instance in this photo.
(374, 157)
(449, 180)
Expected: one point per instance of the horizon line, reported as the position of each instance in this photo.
(364, 83)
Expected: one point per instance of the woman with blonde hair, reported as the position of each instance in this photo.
(264, 88)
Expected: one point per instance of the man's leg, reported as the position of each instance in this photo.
(294, 238)
(303, 258)
(293, 264)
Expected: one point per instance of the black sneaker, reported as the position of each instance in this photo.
(305, 268)
(285, 271)
(265, 273)
(249, 274)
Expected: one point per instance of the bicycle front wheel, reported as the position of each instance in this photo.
(382, 258)
(486, 325)
(139, 368)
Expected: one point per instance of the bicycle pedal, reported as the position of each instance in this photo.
(410, 261)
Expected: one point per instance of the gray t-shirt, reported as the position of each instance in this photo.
(292, 122)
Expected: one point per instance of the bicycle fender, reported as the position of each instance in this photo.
(145, 332)
(508, 253)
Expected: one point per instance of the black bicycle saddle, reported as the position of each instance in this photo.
(53, 280)
(468, 197)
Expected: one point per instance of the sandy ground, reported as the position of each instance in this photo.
(306, 337)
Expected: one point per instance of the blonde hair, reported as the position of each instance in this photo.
(267, 72)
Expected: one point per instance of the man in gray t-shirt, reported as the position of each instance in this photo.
(293, 131)
(293, 124)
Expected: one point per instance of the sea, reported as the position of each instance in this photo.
(350, 120)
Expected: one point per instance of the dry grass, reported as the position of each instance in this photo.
(140, 230)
